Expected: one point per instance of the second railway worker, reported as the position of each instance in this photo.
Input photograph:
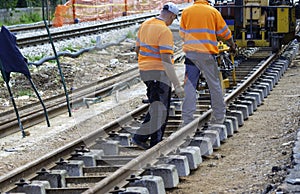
(200, 26)
(154, 47)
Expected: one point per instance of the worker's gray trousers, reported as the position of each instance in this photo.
(206, 64)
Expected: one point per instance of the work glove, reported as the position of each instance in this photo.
(179, 91)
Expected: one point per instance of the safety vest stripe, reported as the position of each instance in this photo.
(224, 29)
(201, 42)
(151, 48)
(166, 47)
(149, 54)
(202, 30)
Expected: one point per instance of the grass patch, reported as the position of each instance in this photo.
(131, 35)
(35, 58)
(30, 18)
(25, 92)
(70, 48)
(25, 18)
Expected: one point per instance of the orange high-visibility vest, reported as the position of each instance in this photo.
(200, 26)
(154, 37)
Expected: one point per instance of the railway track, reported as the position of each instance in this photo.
(28, 27)
(77, 31)
(105, 158)
(33, 114)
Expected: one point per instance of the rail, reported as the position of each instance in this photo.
(136, 163)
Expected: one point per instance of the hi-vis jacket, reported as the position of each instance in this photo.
(200, 26)
(154, 37)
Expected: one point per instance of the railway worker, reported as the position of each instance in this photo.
(154, 47)
(200, 27)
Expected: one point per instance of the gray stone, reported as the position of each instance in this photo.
(204, 143)
(238, 114)
(35, 187)
(193, 155)
(154, 184)
(168, 172)
(234, 121)
(135, 190)
(181, 163)
(56, 178)
(73, 167)
(229, 127)
(221, 129)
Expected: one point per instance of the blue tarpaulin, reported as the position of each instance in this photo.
(11, 58)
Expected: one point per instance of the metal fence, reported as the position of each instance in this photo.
(88, 10)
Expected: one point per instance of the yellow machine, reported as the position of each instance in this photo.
(225, 61)
(260, 23)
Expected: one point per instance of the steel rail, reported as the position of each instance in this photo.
(27, 27)
(40, 25)
(48, 161)
(246, 84)
(170, 143)
(136, 165)
(32, 114)
(148, 157)
(81, 31)
(253, 77)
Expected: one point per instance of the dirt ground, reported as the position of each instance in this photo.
(254, 160)
(91, 67)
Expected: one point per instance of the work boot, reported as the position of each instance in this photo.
(213, 120)
(139, 144)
